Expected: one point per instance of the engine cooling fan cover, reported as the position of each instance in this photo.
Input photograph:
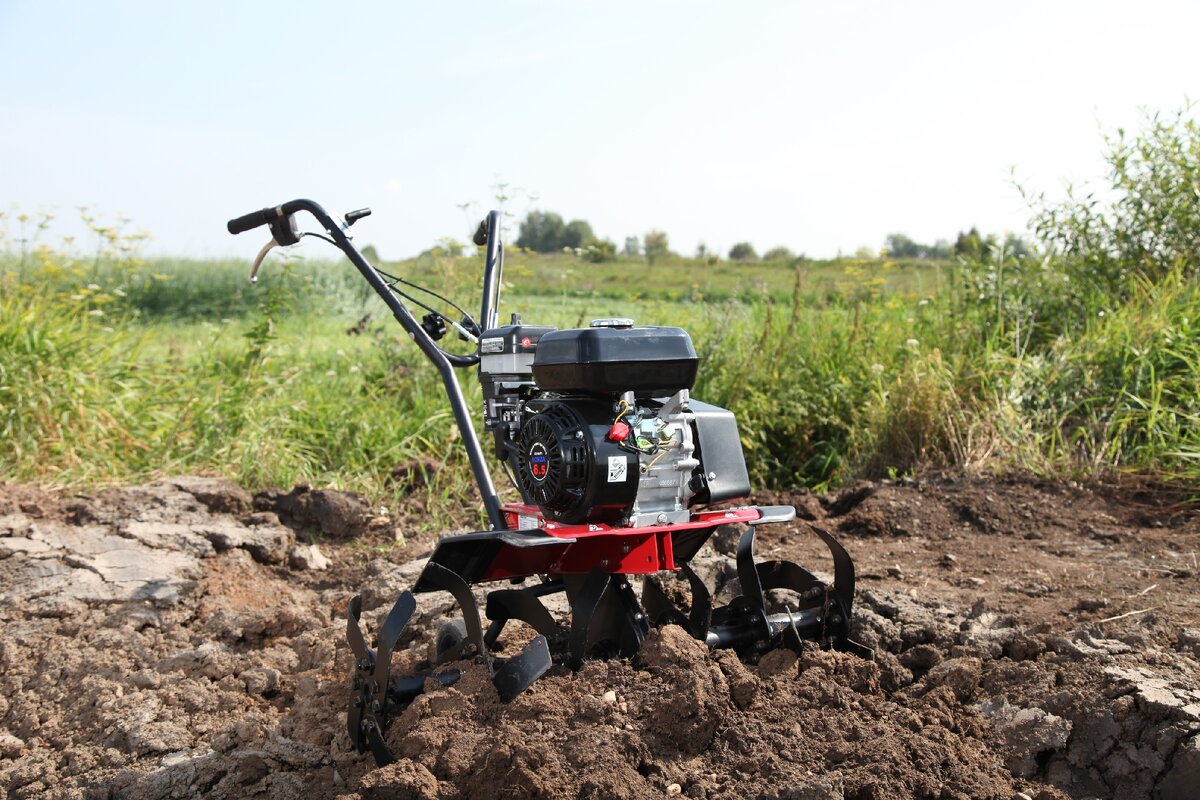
(569, 469)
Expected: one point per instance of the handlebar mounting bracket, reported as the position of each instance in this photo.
(284, 230)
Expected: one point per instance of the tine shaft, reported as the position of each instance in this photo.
(790, 636)
(389, 634)
(519, 673)
(582, 611)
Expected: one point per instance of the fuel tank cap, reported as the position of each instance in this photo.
(612, 322)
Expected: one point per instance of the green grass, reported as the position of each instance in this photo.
(114, 369)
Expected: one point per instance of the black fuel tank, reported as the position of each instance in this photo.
(611, 358)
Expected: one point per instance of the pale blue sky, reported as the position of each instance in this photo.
(817, 126)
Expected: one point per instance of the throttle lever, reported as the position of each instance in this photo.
(258, 261)
(283, 232)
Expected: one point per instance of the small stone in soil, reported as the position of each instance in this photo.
(307, 556)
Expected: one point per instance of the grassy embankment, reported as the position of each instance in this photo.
(112, 369)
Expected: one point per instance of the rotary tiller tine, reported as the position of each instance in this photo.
(364, 662)
(843, 570)
(792, 577)
(389, 634)
(747, 572)
(519, 604)
(660, 608)
(582, 611)
(454, 583)
(702, 610)
(843, 591)
(518, 674)
(358, 645)
(354, 718)
(378, 748)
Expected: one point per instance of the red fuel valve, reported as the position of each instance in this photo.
(619, 432)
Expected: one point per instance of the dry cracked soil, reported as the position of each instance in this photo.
(1034, 640)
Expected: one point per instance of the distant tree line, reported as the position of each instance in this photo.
(968, 244)
(546, 232)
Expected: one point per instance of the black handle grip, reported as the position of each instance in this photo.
(252, 220)
(480, 237)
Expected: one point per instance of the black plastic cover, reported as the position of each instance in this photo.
(719, 448)
(614, 360)
(512, 339)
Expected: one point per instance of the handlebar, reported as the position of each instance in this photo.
(255, 219)
(337, 235)
(252, 220)
(443, 360)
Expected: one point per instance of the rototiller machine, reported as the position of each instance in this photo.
(614, 462)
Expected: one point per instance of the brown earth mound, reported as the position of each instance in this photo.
(1034, 639)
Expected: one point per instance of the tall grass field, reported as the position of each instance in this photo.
(1082, 357)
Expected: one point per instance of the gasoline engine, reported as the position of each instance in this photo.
(598, 425)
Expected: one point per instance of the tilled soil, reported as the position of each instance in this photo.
(1033, 639)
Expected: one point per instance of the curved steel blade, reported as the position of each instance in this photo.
(520, 605)
(358, 645)
(378, 748)
(519, 673)
(702, 610)
(582, 611)
(454, 583)
(354, 719)
(792, 577)
(660, 608)
(748, 574)
(389, 634)
(843, 570)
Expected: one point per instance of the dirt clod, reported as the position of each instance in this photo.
(340, 515)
